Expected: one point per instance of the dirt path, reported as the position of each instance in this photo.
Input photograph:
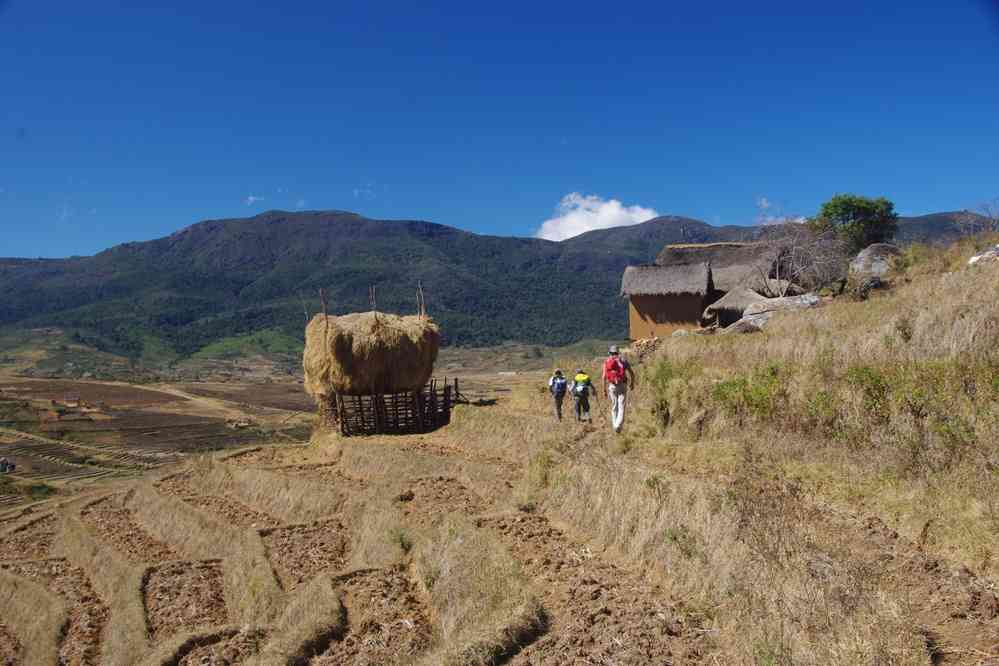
(87, 613)
(183, 596)
(115, 525)
(598, 612)
(387, 622)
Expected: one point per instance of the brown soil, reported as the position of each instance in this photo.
(115, 525)
(183, 596)
(598, 613)
(299, 552)
(428, 500)
(386, 621)
(326, 472)
(10, 647)
(290, 397)
(114, 395)
(87, 613)
(231, 649)
(234, 512)
(31, 542)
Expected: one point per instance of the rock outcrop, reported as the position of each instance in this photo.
(758, 315)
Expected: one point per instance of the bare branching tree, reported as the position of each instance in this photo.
(803, 256)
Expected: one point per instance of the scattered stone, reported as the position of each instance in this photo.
(681, 333)
(758, 315)
(989, 256)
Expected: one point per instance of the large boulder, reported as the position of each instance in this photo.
(730, 307)
(873, 261)
(991, 255)
(757, 315)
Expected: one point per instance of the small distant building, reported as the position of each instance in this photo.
(662, 299)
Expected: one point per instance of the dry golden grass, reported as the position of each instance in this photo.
(252, 593)
(35, 615)
(282, 496)
(483, 607)
(117, 581)
(369, 352)
(313, 617)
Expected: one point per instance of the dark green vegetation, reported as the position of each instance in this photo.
(858, 221)
(248, 284)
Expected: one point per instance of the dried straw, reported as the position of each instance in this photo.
(368, 353)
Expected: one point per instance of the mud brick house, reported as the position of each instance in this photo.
(675, 291)
(662, 299)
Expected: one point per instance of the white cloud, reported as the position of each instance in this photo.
(578, 213)
(300, 204)
(252, 199)
(763, 203)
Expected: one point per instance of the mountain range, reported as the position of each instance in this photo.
(220, 279)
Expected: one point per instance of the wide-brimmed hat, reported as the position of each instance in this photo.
(612, 349)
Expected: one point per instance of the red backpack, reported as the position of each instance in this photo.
(614, 370)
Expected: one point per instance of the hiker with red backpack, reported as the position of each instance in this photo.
(618, 378)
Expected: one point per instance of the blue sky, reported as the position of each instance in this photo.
(124, 122)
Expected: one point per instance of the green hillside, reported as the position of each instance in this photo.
(217, 283)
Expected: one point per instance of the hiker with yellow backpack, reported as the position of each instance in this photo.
(581, 387)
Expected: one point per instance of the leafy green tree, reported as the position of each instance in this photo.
(858, 221)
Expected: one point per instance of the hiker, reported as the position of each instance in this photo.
(580, 388)
(4, 466)
(618, 377)
(558, 385)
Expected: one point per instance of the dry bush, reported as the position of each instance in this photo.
(118, 582)
(35, 615)
(482, 604)
(312, 619)
(744, 564)
(252, 592)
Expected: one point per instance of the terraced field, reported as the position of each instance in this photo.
(483, 543)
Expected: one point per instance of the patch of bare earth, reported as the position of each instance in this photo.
(387, 623)
(87, 613)
(229, 649)
(299, 552)
(427, 500)
(182, 596)
(31, 542)
(234, 512)
(598, 612)
(115, 526)
(10, 647)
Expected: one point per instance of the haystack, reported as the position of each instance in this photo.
(369, 353)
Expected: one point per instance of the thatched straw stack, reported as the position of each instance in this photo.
(368, 353)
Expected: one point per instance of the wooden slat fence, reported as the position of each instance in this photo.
(393, 413)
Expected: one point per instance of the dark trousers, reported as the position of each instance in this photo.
(582, 407)
(558, 398)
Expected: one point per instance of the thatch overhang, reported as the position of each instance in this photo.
(732, 264)
(692, 279)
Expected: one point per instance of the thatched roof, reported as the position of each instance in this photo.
(666, 280)
(732, 264)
